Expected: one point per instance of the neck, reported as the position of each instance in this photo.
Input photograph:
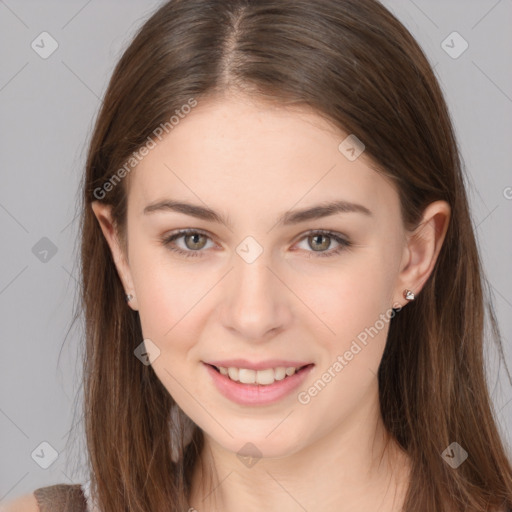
(356, 467)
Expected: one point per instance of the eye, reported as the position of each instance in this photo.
(320, 240)
(195, 240)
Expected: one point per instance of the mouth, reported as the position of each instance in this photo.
(264, 386)
(263, 377)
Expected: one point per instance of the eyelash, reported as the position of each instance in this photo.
(344, 244)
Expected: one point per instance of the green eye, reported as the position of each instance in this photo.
(321, 240)
(195, 240)
(193, 248)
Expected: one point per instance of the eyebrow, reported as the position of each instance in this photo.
(291, 217)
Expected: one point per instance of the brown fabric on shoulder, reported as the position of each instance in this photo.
(61, 498)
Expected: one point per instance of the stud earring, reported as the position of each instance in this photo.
(128, 297)
(409, 295)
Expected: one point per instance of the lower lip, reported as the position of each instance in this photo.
(257, 394)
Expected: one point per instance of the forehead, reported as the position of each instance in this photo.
(242, 156)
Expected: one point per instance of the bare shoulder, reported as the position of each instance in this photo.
(25, 503)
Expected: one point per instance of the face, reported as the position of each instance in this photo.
(268, 288)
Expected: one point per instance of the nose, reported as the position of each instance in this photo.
(256, 303)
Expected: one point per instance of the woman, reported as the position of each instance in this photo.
(282, 291)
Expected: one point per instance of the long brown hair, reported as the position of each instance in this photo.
(354, 63)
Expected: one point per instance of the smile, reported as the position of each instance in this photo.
(262, 377)
(248, 386)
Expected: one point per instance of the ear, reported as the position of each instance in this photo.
(422, 249)
(103, 213)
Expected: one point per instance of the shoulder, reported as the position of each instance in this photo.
(25, 503)
(53, 498)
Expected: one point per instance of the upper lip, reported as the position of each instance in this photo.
(261, 365)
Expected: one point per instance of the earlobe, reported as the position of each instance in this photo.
(422, 249)
(103, 213)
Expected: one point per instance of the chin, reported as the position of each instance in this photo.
(260, 444)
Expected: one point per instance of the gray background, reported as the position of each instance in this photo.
(47, 107)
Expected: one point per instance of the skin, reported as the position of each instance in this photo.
(252, 161)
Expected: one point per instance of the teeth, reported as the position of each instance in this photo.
(280, 373)
(246, 376)
(262, 377)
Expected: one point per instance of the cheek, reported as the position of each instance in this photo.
(355, 305)
(350, 297)
(169, 309)
(166, 311)
(167, 294)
